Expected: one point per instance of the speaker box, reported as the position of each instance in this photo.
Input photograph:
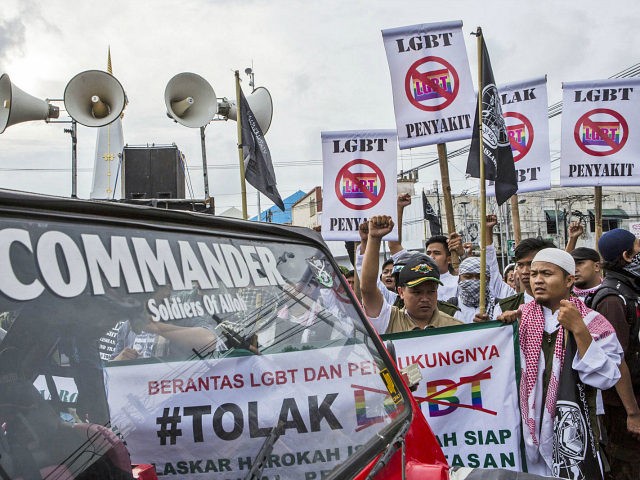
(152, 172)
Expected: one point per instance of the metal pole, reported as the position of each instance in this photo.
(438, 199)
(74, 157)
(259, 207)
(243, 186)
(204, 163)
(598, 212)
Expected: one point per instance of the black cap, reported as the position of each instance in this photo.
(418, 269)
(584, 253)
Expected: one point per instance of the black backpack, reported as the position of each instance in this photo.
(631, 301)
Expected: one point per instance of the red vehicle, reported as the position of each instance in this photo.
(202, 347)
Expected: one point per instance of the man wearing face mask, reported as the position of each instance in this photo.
(468, 295)
(618, 300)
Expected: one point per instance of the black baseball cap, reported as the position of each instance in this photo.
(584, 253)
(418, 269)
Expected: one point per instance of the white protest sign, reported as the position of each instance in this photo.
(599, 143)
(359, 181)
(635, 229)
(524, 109)
(213, 416)
(433, 93)
(468, 392)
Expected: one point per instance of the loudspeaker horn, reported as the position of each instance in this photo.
(260, 104)
(190, 100)
(16, 106)
(94, 98)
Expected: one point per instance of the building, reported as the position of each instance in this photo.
(275, 215)
(306, 211)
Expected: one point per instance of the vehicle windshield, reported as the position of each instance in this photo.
(188, 346)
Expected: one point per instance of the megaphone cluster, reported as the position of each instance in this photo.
(95, 98)
(92, 98)
(192, 102)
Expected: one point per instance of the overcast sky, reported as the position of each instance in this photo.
(323, 62)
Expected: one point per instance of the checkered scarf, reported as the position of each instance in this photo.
(531, 329)
(583, 292)
(469, 290)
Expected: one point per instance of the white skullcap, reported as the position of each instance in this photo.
(558, 257)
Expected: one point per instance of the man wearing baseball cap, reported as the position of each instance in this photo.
(618, 300)
(588, 271)
(418, 283)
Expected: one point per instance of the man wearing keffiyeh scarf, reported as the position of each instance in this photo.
(542, 331)
(468, 295)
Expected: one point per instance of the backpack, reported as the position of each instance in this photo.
(632, 308)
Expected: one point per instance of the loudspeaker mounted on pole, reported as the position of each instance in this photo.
(260, 104)
(190, 100)
(94, 98)
(16, 106)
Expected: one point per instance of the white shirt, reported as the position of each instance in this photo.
(449, 287)
(598, 368)
(499, 288)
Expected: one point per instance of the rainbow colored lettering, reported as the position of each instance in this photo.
(423, 83)
(365, 181)
(592, 136)
(517, 134)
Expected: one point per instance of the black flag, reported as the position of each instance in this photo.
(258, 169)
(430, 216)
(498, 158)
(575, 450)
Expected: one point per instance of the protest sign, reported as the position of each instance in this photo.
(359, 170)
(432, 90)
(468, 392)
(599, 145)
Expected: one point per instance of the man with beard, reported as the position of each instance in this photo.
(588, 271)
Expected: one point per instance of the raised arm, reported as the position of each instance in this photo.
(403, 200)
(575, 231)
(372, 298)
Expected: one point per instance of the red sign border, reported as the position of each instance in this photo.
(446, 103)
(607, 111)
(378, 172)
(529, 125)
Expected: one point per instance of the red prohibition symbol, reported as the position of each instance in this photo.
(439, 84)
(520, 131)
(358, 189)
(600, 138)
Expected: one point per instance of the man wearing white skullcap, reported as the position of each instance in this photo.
(544, 322)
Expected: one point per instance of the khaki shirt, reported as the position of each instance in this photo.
(400, 321)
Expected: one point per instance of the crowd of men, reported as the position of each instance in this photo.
(553, 294)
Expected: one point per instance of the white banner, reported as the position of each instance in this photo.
(599, 143)
(433, 93)
(525, 111)
(468, 391)
(213, 416)
(360, 180)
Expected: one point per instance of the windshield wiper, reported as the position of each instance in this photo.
(396, 442)
(260, 461)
